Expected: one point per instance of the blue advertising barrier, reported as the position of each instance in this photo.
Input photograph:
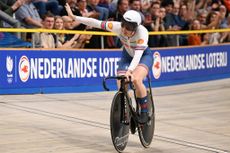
(53, 71)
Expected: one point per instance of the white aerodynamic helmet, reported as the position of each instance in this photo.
(131, 20)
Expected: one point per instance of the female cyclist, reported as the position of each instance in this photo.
(136, 59)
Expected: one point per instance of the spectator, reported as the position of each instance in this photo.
(59, 25)
(213, 22)
(73, 6)
(202, 17)
(80, 40)
(28, 15)
(44, 6)
(227, 4)
(223, 19)
(155, 22)
(10, 9)
(122, 7)
(226, 36)
(136, 5)
(68, 25)
(223, 22)
(170, 23)
(181, 17)
(196, 39)
(146, 4)
(61, 41)
(93, 6)
(46, 40)
(82, 6)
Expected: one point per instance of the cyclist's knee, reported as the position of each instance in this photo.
(137, 80)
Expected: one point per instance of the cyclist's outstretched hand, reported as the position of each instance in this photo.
(129, 75)
(69, 11)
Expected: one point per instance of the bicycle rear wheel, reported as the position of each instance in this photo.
(146, 131)
(119, 130)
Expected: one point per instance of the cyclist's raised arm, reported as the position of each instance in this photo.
(109, 26)
(84, 20)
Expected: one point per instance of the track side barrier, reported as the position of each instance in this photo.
(27, 71)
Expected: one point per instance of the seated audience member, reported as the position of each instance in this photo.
(202, 17)
(81, 40)
(154, 21)
(44, 6)
(28, 15)
(213, 22)
(73, 6)
(44, 39)
(122, 7)
(227, 4)
(93, 6)
(59, 25)
(196, 39)
(136, 5)
(170, 23)
(82, 7)
(62, 42)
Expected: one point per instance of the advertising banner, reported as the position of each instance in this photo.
(84, 70)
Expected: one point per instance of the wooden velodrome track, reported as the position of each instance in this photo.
(191, 118)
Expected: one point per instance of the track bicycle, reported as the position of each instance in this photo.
(124, 115)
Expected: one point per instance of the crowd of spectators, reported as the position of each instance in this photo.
(157, 15)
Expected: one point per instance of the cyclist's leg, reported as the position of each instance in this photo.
(140, 72)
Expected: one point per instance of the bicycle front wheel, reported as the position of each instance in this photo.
(119, 130)
(146, 131)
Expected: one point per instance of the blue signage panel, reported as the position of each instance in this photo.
(34, 69)
(55, 68)
(191, 63)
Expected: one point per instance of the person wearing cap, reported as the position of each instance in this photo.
(136, 59)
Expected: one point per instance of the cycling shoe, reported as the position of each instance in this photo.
(143, 118)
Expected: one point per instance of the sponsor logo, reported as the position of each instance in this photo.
(9, 68)
(55, 68)
(121, 141)
(156, 69)
(110, 25)
(24, 68)
(140, 41)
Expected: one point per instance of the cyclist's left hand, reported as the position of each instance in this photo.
(128, 75)
(69, 11)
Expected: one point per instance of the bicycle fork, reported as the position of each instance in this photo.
(125, 117)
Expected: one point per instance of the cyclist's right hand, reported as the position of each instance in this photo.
(129, 75)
